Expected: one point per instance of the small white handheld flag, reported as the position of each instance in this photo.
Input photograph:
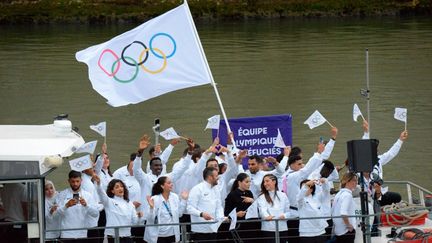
(87, 147)
(169, 134)
(81, 163)
(213, 122)
(356, 113)
(400, 114)
(233, 216)
(315, 120)
(279, 141)
(99, 128)
(252, 211)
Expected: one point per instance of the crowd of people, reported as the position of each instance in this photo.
(204, 187)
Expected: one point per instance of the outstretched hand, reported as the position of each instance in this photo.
(404, 135)
(143, 143)
(365, 126)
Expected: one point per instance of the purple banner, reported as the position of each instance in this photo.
(258, 134)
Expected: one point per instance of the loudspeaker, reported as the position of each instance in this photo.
(362, 155)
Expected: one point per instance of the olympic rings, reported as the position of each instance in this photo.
(163, 34)
(160, 69)
(133, 77)
(126, 47)
(103, 69)
(142, 59)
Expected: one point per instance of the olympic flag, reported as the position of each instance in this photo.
(315, 120)
(162, 55)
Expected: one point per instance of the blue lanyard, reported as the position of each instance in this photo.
(167, 208)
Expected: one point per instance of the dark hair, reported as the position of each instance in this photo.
(295, 151)
(157, 187)
(221, 167)
(109, 170)
(312, 187)
(264, 190)
(240, 177)
(154, 159)
(210, 160)
(293, 159)
(327, 165)
(151, 150)
(280, 157)
(132, 156)
(208, 171)
(196, 147)
(74, 174)
(257, 158)
(111, 185)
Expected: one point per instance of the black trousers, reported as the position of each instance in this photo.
(293, 230)
(329, 229)
(314, 239)
(122, 239)
(269, 237)
(138, 234)
(169, 239)
(348, 237)
(204, 237)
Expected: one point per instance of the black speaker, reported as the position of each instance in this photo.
(362, 155)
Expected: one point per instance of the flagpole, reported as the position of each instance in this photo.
(329, 123)
(208, 68)
(367, 90)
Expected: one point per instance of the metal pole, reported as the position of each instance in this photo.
(277, 237)
(183, 233)
(116, 235)
(368, 91)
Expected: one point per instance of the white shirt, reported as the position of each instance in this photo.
(343, 204)
(204, 198)
(326, 203)
(164, 156)
(146, 180)
(131, 183)
(88, 186)
(164, 215)
(311, 206)
(257, 178)
(52, 221)
(295, 177)
(386, 157)
(281, 206)
(118, 212)
(192, 176)
(76, 216)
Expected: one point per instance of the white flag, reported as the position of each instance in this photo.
(356, 112)
(169, 134)
(162, 55)
(213, 122)
(87, 147)
(315, 120)
(99, 128)
(400, 114)
(233, 216)
(81, 163)
(279, 141)
(252, 211)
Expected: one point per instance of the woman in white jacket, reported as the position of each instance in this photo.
(165, 208)
(309, 205)
(119, 211)
(273, 204)
(52, 219)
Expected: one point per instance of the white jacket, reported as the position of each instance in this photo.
(311, 206)
(153, 216)
(281, 206)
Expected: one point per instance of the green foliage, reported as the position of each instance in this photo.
(108, 11)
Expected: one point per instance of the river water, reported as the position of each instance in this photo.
(261, 67)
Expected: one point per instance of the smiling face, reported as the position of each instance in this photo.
(156, 166)
(269, 184)
(118, 189)
(253, 166)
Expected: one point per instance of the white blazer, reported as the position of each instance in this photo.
(153, 216)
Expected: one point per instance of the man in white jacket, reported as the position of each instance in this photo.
(76, 207)
(205, 205)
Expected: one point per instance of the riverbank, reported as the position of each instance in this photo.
(136, 11)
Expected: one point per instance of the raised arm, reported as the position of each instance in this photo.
(394, 150)
(138, 172)
(330, 144)
(100, 191)
(165, 155)
(313, 163)
(365, 130)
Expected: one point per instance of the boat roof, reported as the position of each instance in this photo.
(20, 144)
